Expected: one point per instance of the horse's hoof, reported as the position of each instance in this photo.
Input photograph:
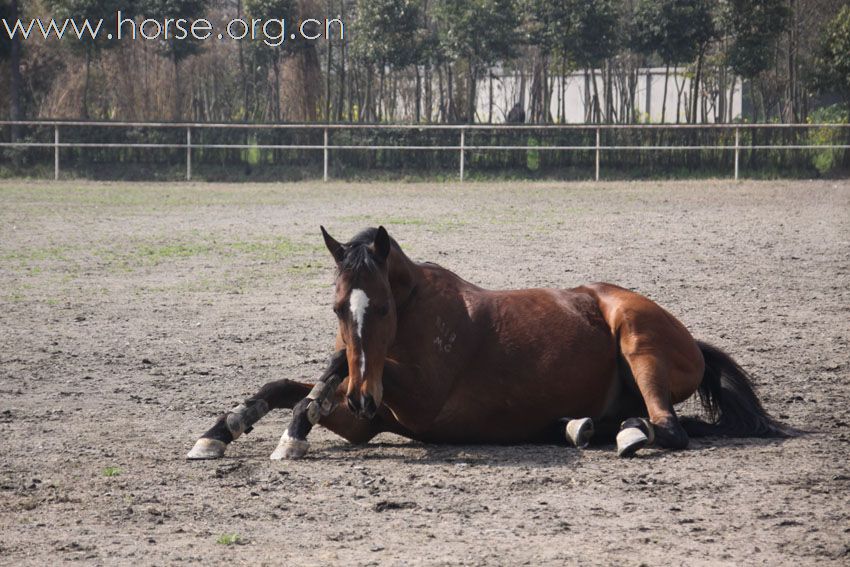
(206, 448)
(629, 440)
(579, 431)
(290, 448)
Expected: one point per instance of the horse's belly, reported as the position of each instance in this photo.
(492, 418)
(558, 363)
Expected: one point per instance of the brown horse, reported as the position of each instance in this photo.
(422, 353)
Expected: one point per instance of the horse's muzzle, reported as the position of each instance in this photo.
(362, 405)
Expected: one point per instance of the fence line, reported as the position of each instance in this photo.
(462, 147)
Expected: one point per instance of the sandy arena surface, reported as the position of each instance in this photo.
(132, 314)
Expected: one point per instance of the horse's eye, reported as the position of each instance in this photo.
(382, 310)
(338, 310)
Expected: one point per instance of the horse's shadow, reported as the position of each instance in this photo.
(413, 452)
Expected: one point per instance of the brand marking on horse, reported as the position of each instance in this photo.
(445, 337)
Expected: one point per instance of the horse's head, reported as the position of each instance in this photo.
(366, 311)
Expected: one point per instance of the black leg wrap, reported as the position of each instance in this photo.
(670, 434)
(337, 364)
(307, 412)
(300, 426)
(219, 431)
(241, 419)
(252, 411)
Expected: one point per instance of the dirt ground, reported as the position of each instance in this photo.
(132, 314)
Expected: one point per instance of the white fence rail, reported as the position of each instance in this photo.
(462, 147)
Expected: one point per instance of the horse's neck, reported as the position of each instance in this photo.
(404, 276)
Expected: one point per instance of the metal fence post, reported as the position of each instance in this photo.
(597, 153)
(737, 151)
(188, 154)
(325, 174)
(56, 152)
(462, 146)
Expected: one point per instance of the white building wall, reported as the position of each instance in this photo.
(506, 93)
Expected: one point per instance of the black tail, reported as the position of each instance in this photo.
(727, 396)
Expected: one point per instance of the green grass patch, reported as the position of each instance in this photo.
(27, 255)
(438, 224)
(111, 471)
(272, 249)
(229, 539)
(158, 253)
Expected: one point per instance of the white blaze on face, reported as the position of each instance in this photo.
(358, 302)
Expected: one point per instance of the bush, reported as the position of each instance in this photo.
(827, 161)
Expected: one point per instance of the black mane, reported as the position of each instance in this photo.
(358, 254)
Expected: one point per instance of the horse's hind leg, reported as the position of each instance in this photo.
(661, 382)
(579, 431)
(665, 362)
(241, 419)
(667, 368)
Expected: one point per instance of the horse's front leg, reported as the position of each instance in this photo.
(320, 402)
(322, 406)
(241, 419)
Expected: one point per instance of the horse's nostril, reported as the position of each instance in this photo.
(351, 401)
(369, 407)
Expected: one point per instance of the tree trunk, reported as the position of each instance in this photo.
(522, 82)
(562, 108)
(418, 112)
(441, 111)
(340, 104)
(534, 92)
(450, 114)
(381, 77)
(597, 109)
(545, 113)
(15, 76)
(352, 88)
(490, 98)
(328, 77)
(731, 102)
(679, 91)
(697, 78)
(429, 94)
(664, 99)
(366, 111)
(85, 108)
(609, 93)
(276, 89)
(470, 103)
(242, 77)
(720, 108)
(792, 63)
(587, 99)
(393, 95)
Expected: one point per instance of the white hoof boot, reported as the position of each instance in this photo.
(635, 433)
(579, 431)
(290, 448)
(206, 448)
(629, 440)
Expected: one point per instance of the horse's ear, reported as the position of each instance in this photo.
(382, 243)
(336, 249)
